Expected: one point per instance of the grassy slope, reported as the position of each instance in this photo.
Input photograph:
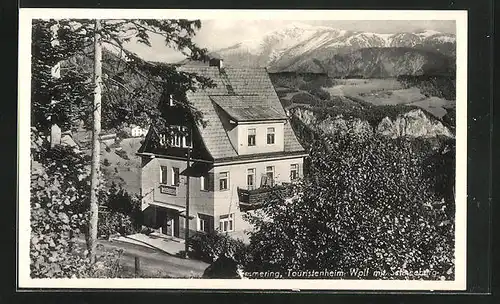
(115, 168)
(122, 171)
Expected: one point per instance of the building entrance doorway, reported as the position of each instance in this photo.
(169, 222)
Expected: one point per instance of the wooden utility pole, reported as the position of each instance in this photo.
(96, 146)
(186, 232)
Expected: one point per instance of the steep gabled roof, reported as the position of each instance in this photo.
(252, 83)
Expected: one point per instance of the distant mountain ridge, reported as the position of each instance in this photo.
(376, 63)
(297, 45)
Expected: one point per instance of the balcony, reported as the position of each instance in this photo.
(253, 198)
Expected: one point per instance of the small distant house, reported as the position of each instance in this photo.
(246, 149)
(137, 131)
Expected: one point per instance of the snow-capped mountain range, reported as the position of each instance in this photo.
(284, 47)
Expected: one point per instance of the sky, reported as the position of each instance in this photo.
(217, 34)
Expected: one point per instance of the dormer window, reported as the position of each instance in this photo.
(270, 136)
(175, 140)
(251, 136)
(180, 137)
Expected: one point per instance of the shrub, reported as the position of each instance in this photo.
(210, 246)
(115, 223)
(59, 200)
(108, 149)
(122, 212)
(106, 162)
(365, 204)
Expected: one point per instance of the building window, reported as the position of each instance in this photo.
(270, 175)
(180, 137)
(163, 174)
(171, 100)
(270, 136)
(163, 140)
(205, 223)
(251, 179)
(186, 139)
(175, 176)
(204, 182)
(224, 180)
(251, 137)
(226, 222)
(175, 139)
(294, 172)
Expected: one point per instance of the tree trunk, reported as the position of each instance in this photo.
(96, 149)
(186, 232)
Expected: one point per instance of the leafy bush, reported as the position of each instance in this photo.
(210, 246)
(106, 162)
(115, 223)
(122, 212)
(58, 216)
(365, 204)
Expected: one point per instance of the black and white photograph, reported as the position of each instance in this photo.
(233, 149)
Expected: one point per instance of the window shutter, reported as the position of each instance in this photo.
(210, 181)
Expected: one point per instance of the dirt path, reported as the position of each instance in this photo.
(153, 262)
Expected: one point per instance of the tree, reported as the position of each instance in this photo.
(365, 204)
(66, 99)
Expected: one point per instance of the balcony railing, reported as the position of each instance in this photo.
(253, 198)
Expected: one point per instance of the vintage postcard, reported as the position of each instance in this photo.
(242, 150)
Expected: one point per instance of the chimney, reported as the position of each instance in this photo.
(216, 62)
(55, 135)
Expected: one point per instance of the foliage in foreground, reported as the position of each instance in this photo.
(59, 201)
(121, 213)
(134, 90)
(59, 215)
(208, 247)
(365, 204)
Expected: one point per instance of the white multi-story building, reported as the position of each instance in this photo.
(246, 146)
